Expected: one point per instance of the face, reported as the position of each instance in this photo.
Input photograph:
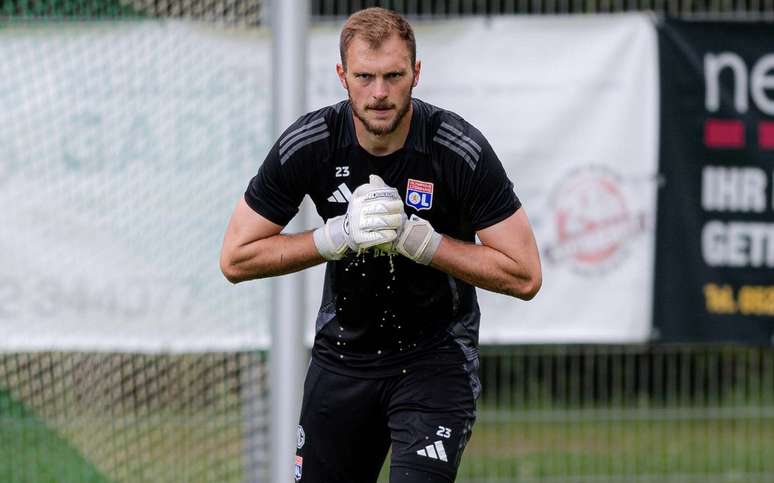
(379, 83)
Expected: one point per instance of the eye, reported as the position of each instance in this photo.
(364, 76)
(394, 75)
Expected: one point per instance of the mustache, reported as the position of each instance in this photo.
(382, 105)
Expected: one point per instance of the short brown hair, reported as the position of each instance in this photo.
(375, 25)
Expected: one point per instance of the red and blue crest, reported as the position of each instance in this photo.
(419, 194)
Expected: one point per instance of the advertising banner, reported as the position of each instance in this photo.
(124, 146)
(715, 235)
(123, 149)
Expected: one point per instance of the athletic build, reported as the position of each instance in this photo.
(404, 188)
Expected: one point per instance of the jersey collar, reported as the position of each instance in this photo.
(417, 136)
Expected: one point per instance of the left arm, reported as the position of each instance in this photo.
(507, 262)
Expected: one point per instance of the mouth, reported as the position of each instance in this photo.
(380, 109)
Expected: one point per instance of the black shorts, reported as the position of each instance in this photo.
(348, 424)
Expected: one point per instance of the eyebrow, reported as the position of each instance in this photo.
(391, 72)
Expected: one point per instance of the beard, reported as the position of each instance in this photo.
(389, 128)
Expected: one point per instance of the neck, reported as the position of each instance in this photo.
(382, 145)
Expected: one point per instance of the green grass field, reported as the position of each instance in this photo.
(30, 452)
(633, 446)
(599, 445)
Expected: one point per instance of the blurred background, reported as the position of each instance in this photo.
(639, 136)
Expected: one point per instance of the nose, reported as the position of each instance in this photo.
(380, 89)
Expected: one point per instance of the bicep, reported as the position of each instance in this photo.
(247, 226)
(514, 238)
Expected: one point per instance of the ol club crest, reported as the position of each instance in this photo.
(419, 194)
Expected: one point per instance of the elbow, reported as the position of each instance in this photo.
(526, 289)
(230, 270)
(531, 289)
(230, 274)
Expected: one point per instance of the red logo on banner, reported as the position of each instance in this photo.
(723, 133)
(766, 135)
(594, 223)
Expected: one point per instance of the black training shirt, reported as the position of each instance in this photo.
(379, 313)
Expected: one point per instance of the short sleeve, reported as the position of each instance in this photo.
(482, 184)
(271, 195)
(283, 179)
(490, 196)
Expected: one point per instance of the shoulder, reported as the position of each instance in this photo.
(311, 134)
(449, 135)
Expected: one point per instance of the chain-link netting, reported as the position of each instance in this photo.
(128, 131)
(73, 417)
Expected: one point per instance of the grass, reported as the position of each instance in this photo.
(31, 453)
(644, 445)
(545, 448)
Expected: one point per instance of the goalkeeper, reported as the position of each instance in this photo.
(404, 188)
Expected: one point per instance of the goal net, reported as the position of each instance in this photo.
(128, 130)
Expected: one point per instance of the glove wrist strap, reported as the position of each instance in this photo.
(426, 254)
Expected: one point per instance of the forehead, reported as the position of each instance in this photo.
(393, 53)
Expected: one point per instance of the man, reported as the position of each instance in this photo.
(404, 188)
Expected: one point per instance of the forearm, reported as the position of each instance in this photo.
(486, 267)
(274, 255)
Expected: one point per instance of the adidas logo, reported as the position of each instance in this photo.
(342, 194)
(434, 451)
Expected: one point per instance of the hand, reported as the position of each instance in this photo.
(418, 240)
(374, 215)
(331, 239)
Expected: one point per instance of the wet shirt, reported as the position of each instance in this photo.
(380, 313)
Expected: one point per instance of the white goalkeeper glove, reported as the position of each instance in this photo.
(331, 239)
(418, 240)
(374, 215)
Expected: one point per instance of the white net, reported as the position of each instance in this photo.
(125, 147)
(124, 353)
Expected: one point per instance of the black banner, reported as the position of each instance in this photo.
(715, 232)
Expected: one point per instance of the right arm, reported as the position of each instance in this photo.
(253, 247)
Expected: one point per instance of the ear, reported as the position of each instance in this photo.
(417, 68)
(342, 75)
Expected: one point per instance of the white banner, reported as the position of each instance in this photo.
(123, 148)
(570, 105)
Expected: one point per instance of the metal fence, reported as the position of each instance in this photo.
(689, 9)
(624, 414)
(255, 12)
(547, 414)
